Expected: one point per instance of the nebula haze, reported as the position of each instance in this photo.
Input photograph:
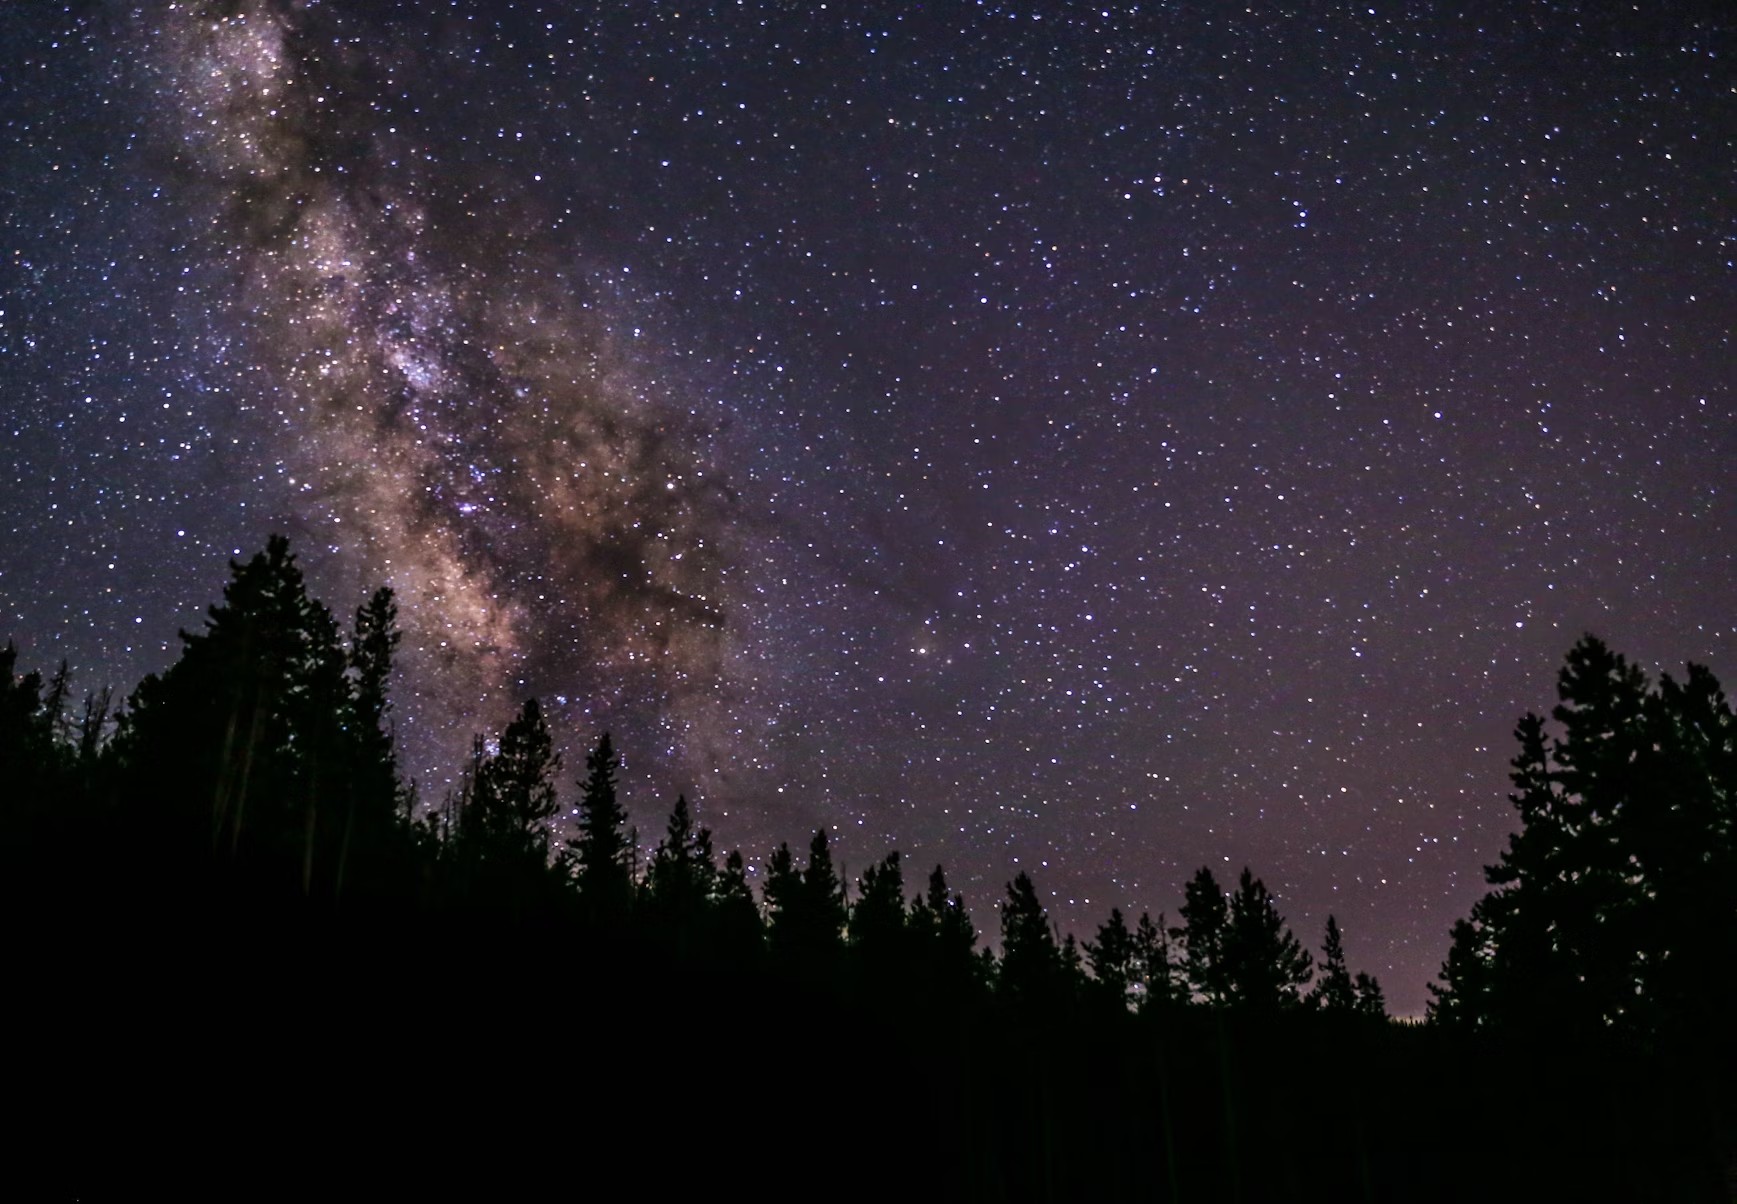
(457, 413)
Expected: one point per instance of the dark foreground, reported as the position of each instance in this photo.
(211, 1040)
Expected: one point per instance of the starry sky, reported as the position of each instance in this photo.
(1099, 440)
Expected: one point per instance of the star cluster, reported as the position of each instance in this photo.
(1098, 440)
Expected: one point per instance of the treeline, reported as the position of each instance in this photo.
(269, 743)
(229, 865)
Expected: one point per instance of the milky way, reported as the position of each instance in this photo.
(1097, 440)
(453, 409)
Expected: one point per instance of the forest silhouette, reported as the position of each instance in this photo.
(244, 955)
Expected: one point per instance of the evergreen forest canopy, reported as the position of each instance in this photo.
(250, 796)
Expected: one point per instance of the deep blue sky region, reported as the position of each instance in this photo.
(1099, 440)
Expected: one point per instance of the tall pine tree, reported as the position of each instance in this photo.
(1265, 965)
(602, 851)
(1333, 991)
(1031, 959)
(1114, 959)
(1205, 917)
(513, 797)
(1614, 908)
(877, 919)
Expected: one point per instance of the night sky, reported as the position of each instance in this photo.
(1096, 440)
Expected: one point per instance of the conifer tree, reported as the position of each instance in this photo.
(782, 891)
(805, 908)
(1333, 990)
(1686, 845)
(823, 894)
(324, 754)
(1114, 959)
(28, 753)
(371, 793)
(681, 876)
(1205, 917)
(1502, 966)
(809, 916)
(956, 933)
(374, 642)
(953, 923)
(1582, 865)
(944, 931)
(739, 928)
(1159, 978)
(1073, 967)
(54, 702)
(93, 725)
(783, 882)
(513, 795)
(602, 853)
(251, 726)
(877, 920)
(1370, 1001)
(1031, 959)
(451, 823)
(1265, 965)
(1613, 909)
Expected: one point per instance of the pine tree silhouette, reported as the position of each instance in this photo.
(782, 892)
(741, 932)
(1031, 959)
(1115, 959)
(374, 643)
(602, 853)
(30, 760)
(1265, 965)
(1370, 1001)
(877, 919)
(680, 882)
(514, 795)
(255, 725)
(1333, 991)
(1686, 845)
(1161, 981)
(680, 876)
(822, 894)
(805, 908)
(945, 939)
(1205, 918)
(1613, 910)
